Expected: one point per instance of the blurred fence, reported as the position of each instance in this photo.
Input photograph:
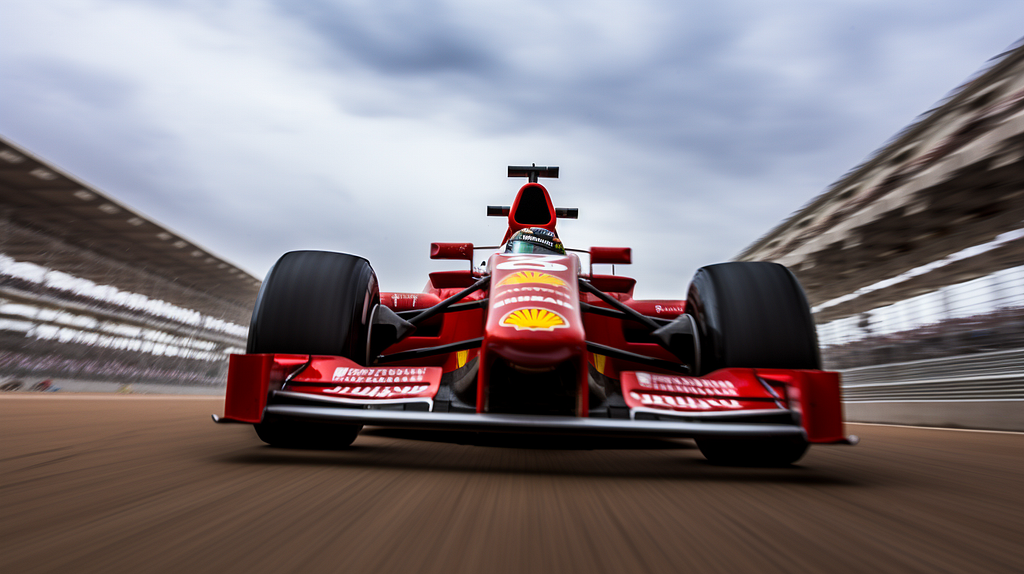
(953, 357)
(978, 316)
(980, 377)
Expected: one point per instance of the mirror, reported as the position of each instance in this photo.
(611, 255)
(462, 251)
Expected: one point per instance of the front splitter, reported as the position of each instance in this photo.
(548, 425)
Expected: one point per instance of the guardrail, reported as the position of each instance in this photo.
(993, 388)
(982, 390)
(977, 364)
(980, 377)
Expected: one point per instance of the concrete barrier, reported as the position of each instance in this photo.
(989, 415)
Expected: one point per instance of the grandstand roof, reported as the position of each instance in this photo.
(50, 208)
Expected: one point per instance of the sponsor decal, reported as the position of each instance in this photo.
(531, 277)
(599, 363)
(535, 239)
(396, 297)
(531, 299)
(669, 309)
(377, 392)
(533, 261)
(533, 319)
(686, 385)
(379, 375)
(461, 357)
(656, 400)
(533, 289)
(374, 383)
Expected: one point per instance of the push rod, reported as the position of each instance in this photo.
(443, 305)
(606, 312)
(431, 351)
(589, 288)
(635, 358)
(479, 303)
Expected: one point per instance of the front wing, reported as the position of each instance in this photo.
(730, 403)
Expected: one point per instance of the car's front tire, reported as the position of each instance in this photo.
(314, 303)
(752, 314)
(307, 435)
(752, 452)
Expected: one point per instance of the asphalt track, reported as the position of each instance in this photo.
(148, 484)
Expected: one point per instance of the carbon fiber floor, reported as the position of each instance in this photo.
(138, 484)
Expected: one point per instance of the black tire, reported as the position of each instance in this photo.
(752, 452)
(307, 435)
(752, 314)
(315, 303)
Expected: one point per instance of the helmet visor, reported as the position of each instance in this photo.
(532, 247)
(527, 247)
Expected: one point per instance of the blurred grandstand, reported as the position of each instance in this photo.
(92, 291)
(914, 262)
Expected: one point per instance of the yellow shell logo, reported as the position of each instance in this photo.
(531, 277)
(533, 319)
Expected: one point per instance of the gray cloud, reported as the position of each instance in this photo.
(689, 94)
(684, 130)
(396, 38)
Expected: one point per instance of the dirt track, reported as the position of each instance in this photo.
(141, 484)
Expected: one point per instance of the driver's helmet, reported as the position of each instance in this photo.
(535, 240)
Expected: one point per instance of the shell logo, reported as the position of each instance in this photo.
(532, 277)
(533, 319)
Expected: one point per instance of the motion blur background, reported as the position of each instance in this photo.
(912, 263)
(913, 260)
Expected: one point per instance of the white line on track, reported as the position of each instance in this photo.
(936, 428)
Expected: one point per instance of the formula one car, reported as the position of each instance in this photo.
(534, 342)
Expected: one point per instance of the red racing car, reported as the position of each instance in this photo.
(533, 342)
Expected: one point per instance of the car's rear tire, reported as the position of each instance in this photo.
(752, 314)
(314, 303)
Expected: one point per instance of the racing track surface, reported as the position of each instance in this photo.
(149, 484)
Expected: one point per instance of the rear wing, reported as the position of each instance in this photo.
(533, 172)
(560, 212)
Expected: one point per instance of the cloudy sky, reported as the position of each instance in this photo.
(683, 129)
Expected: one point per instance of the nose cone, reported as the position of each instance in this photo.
(534, 312)
(535, 337)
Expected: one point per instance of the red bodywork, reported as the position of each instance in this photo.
(531, 326)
